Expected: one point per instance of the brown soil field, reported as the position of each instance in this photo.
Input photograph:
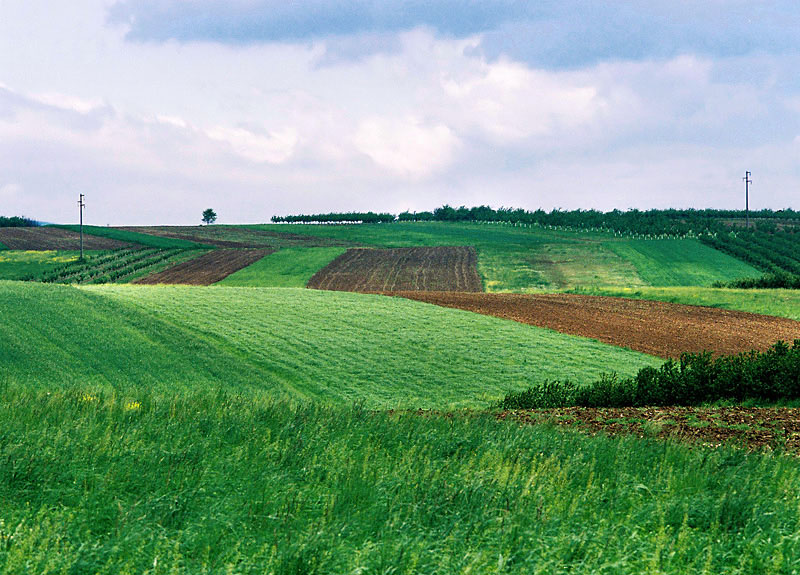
(55, 239)
(657, 328)
(231, 237)
(400, 269)
(207, 269)
(753, 428)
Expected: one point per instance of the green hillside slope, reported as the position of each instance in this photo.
(338, 347)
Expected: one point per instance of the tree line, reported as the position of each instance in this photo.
(647, 222)
(17, 222)
(336, 217)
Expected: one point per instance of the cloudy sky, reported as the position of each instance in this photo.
(158, 109)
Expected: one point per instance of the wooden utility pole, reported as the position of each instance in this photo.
(747, 182)
(81, 205)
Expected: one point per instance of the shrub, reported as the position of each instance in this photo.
(773, 375)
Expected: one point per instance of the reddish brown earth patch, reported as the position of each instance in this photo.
(654, 327)
(207, 269)
(400, 269)
(55, 239)
(231, 237)
(754, 428)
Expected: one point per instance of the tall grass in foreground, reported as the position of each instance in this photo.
(208, 482)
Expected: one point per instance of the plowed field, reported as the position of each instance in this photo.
(233, 237)
(754, 428)
(401, 269)
(654, 327)
(207, 269)
(55, 239)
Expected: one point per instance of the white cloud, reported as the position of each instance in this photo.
(406, 146)
(509, 102)
(69, 102)
(274, 148)
(9, 191)
(150, 130)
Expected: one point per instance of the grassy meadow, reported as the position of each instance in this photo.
(288, 267)
(302, 344)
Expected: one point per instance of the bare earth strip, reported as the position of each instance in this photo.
(35, 239)
(658, 328)
(750, 427)
(400, 269)
(207, 269)
(231, 237)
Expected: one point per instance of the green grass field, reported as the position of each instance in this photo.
(530, 259)
(217, 483)
(289, 267)
(777, 302)
(304, 344)
(680, 262)
(16, 264)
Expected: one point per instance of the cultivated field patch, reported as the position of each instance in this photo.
(751, 427)
(47, 238)
(413, 269)
(206, 269)
(654, 327)
(234, 236)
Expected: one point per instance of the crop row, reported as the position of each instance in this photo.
(92, 266)
(773, 253)
(110, 266)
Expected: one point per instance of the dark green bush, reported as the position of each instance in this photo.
(773, 375)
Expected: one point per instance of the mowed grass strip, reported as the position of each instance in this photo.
(214, 482)
(288, 267)
(777, 302)
(680, 262)
(332, 346)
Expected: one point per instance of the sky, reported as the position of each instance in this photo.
(159, 109)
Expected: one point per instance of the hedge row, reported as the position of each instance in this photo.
(773, 375)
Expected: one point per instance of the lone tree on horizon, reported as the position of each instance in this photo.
(209, 216)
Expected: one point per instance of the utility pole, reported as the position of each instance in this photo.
(747, 182)
(81, 205)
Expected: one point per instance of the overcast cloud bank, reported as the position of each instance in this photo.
(158, 110)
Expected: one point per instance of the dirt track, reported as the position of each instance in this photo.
(379, 270)
(657, 328)
(55, 239)
(754, 428)
(207, 269)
